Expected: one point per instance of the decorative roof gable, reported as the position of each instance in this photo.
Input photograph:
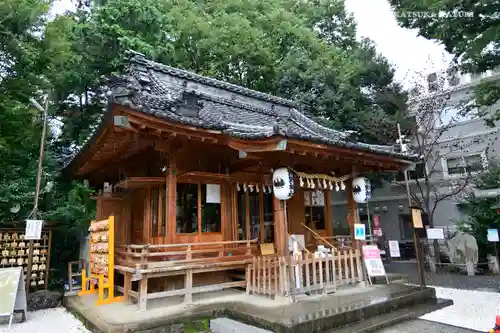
(186, 98)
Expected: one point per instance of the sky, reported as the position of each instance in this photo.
(412, 56)
(407, 52)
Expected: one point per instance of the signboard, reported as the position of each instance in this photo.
(317, 199)
(33, 229)
(377, 230)
(435, 233)
(12, 292)
(394, 249)
(373, 261)
(359, 231)
(213, 193)
(416, 215)
(493, 235)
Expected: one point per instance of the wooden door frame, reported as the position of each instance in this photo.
(247, 215)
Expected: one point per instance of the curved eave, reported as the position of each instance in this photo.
(92, 142)
(249, 141)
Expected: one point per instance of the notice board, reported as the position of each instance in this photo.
(12, 292)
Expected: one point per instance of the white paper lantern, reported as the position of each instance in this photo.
(361, 189)
(283, 184)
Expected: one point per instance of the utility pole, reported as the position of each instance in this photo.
(44, 111)
(416, 240)
(34, 212)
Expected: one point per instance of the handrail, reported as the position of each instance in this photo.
(185, 250)
(316, 235)
(175, 253)
(160, 246)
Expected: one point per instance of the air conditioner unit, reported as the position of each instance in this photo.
(453, 76)
(432, 82)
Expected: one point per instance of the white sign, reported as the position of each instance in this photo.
(394, 249)
(318, 199)
(359, 231)
(493, 235)
(33, 229)
(213, 193)
(435, 233)
(12, 292)
(372, 260)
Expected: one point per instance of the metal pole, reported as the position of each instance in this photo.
(416, 240)
(369, 221)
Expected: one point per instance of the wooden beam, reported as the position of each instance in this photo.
(171, 199)
(280, 232)
(243, 164)
(352, 216)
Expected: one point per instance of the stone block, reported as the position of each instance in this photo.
(44, 299)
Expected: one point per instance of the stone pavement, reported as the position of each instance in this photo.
(421, 326)
(442, 279)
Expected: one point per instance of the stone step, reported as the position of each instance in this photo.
(374, 324)
(226, 325)
(393, 278)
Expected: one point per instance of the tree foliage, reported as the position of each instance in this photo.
(24, 61)
(470, 30)
(482, 215)
(304, 50)
(301, 50)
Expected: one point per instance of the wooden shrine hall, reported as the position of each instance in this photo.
(187, 163)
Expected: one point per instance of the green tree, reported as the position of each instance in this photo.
(301, 50)
(470, 30)
(481, 214)
(27, 53)
(20, 127)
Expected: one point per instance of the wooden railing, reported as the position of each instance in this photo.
(270, 275)
(151, 256)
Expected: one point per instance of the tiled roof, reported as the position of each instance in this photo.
(183, 97)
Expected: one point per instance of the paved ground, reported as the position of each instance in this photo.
(474, 311)
(46, 321)
(449, 280)
(471, 309)
(424, 326)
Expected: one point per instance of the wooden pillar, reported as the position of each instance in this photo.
(147, 219)
(127, 285)
(143, 293)
(328, 213)
(280, 232)
(351, 212)
(171, 200)
(233, 227)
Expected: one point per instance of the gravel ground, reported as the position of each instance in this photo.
(46, 321)
(448, 280)
(471, 309)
